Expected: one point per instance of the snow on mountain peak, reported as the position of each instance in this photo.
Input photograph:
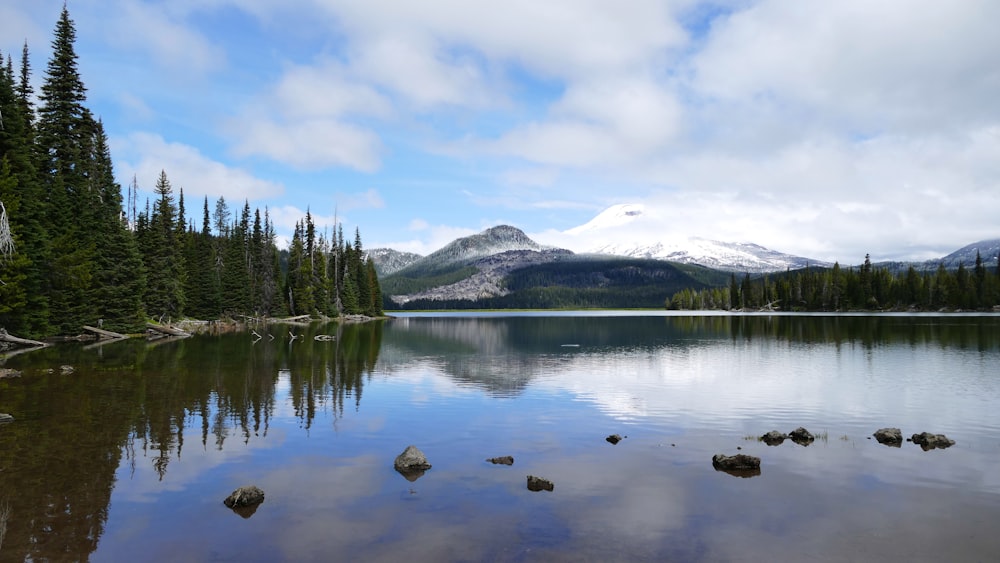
(636, 231)
(614, 216)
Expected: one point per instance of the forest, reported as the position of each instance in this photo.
(74, 252)
(865, 287)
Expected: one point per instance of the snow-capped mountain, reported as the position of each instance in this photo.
(389, 261)
(631, 222)
(492, 241)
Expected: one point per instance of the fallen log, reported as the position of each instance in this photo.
(167, 329)
(295, 319)
(100, 332)
(7, 337)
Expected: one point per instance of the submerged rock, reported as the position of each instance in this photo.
(774, 438)
(539, 484)
(614, 438)
(412, 463)
(929, 441)
(801, 436)
(739, 465)
(245, 500)
(4, 417)
(9, 373)
(502, 460)
(889, 436)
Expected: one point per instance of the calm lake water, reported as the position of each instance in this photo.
(129, 457)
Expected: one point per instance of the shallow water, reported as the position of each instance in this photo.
(130, 455)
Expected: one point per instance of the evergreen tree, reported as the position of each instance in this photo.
(164, 295)
(201, 288)
(119, 277)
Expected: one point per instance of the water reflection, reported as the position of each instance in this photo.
(164, 428)
(135, 402)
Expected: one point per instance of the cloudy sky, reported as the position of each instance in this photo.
(824, 129)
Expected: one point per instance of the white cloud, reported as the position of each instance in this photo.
(854, 64)
(306, 120)
(433, 237)
(308, 144)
(144, 155)
(162, 33)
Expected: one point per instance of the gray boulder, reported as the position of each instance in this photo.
(412, 463)
(502, 460)
(539, 484)
(889, 436)
(245, 500)
(4, 417)
(929, 441)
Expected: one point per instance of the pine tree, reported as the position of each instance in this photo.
(164, 295)
(119, 278)
(202, 287)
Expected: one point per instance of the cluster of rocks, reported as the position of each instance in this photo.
(412, 464)
(894, 437)
(800, 436)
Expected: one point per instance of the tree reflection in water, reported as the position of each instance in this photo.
(135, 400)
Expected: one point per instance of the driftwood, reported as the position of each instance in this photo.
(296, 319)
(167, 329)
(6, 337)
(101, 333)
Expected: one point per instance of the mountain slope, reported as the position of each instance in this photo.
(635, 233)
(988, 250)
(502, 267)
(389, 261)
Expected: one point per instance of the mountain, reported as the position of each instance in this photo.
(487, 243)
(502, 267)
(633, 223)
(726, 256)
(988, 250)
(389, 261)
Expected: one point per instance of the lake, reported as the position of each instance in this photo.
(126, 451)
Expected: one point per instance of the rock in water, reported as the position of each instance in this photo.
(773, 438)
(929, 441)
(539, 484)
(502, 460)
(801, 436)
(245, 500)
(614, 438)
(889, 436)
(739, 465)
(412, 463)
(4, 417)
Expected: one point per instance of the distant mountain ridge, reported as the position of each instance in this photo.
(502, 267)
(619, 221)
(988, 251)
(739, 257)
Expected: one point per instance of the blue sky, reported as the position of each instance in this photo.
(824, 129)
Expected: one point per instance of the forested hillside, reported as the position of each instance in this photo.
(866, 287)
(71, 254)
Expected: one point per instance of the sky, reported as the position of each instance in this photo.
(824, 129)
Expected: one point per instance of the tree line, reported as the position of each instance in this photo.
(862, 288)
(71, 254)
